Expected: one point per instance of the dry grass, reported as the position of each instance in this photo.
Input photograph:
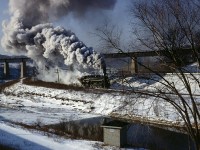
(70, 130)
(29, 81)
(78, 130)
(8, 84)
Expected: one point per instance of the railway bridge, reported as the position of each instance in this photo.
(6, 60)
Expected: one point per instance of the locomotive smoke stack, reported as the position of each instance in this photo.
(28, 33)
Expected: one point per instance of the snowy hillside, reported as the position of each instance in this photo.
(46, 100)
(29, 105)
(32, 105)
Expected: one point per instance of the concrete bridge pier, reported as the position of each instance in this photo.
(6, 70)
(23, 69)
(135, 65)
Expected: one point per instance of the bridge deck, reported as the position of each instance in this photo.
(143, 53)
(13, 60)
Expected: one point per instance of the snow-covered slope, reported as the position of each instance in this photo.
(30, 105)
(21, 139)
(40, 100)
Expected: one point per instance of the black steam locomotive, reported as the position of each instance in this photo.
(96, 81)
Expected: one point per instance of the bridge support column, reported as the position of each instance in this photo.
(6, 70)
(23, 69)
(135, 65)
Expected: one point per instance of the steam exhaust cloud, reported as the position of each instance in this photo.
(33, 12)
(29, 32)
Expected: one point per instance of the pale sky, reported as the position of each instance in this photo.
(3, 15)
(82, 28)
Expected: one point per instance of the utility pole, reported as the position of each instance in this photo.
(57, 71)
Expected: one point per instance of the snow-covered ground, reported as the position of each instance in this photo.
(40, 102)
(22, 139)
(54, 102)
(29, 105)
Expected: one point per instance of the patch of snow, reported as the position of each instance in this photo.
(22, 139)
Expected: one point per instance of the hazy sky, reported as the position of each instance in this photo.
(3, 15)
(85, 26)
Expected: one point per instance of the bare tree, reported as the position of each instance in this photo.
(110, 37)
(173, 27)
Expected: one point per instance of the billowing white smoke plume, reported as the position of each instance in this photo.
(28, 33)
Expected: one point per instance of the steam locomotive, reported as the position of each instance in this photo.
(96, 81)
